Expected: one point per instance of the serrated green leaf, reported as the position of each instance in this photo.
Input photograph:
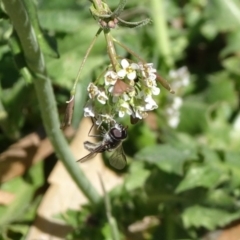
(209, 218)
(219, 129)
(167, 158)
(200, 176)
(220, 198)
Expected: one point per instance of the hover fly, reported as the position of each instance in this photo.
(112, 142)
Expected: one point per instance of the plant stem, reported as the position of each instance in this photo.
(111, 220)
(35, 61)
(160, 23)
(73, 91)
(111, 49)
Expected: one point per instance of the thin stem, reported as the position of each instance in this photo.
(160, 23)
(71, 103)
(111, 49)
(111, 220)
(129, 50)
(73, 91)
(35, 61)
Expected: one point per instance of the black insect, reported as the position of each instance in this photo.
(112, 142)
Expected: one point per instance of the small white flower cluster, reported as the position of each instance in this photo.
(180, 77)
(180, 80)
(128, 91)
(173, 113)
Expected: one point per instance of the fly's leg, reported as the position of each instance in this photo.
(103, 131)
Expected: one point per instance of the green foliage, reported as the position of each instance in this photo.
(23, 208)
(187, 177)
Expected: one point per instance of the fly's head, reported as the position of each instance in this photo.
(118, 131)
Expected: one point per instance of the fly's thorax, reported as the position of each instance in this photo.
(110, 142)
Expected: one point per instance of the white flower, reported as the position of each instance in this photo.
(139, 112)
(151, 84)
(155, 90)
(102, 97)
(177, 103)
(180, 76)
(92, 90)
(145, 94)
(110, 78)
(150, 81)
(104, 118)
(88, 109)
(150, 104)
(174, 120)
(128, 70)
(147, 70)
(123, 109)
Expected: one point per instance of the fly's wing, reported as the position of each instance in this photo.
(118, 159)
(87, 157)
(93, 148)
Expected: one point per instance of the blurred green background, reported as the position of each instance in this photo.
(184, 159)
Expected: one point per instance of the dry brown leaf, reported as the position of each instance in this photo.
(231, 233)
(27, 151)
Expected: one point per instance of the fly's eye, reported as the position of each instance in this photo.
(116, 133)
(119, 134)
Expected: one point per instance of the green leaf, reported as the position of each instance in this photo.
(209, 218)
(24, 190)
(210, 156)
(14, 100)
(72, 50)
(192, 116)
(136, 177)
(63, 20)
(233, 164)
(221, 88)
(220, 198)
(225, 14)
(219, 132)
(232, 64)
(19, 228)
(200, 176)
(168, 158)
(209, 174)
(233, 44)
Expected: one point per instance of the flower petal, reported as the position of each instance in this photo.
(131, 75)
(124, 63)
(121, 73)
